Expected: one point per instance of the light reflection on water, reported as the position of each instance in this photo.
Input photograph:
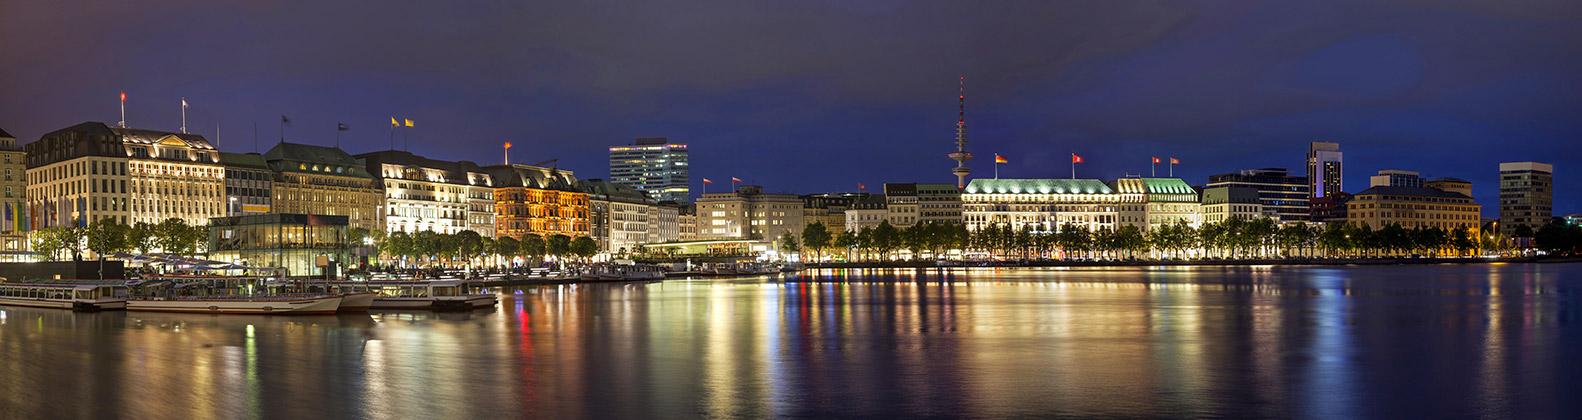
(1312, 342)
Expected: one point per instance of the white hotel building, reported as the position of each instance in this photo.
(1048, 204)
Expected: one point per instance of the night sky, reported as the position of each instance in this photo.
(817, 96)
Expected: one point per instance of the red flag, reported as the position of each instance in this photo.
(861, 187)
(1000, 159)
(707, 181)
(735, 179)
(1075, 158)
(508, 145)
(1156, 160)
(1174, 161)
(123, 96)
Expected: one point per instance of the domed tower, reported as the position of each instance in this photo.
(961, 155)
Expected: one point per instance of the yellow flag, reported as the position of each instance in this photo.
(408, 123)
(393, 121)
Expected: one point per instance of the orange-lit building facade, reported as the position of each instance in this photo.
(538, 201)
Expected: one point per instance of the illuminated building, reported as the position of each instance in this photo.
(1323, 169)
(248, 184)
(665, 224)
(318, 180)
(829, 209)
(538, 201)
(749, 213)
(13, 222)
(1040, 204)
(1226, 202)
(1444, 203)
(655, 166)
(618, 215)
(92, 171)
(1148, 203)
(1526, 195)
(422, 194)
(1278, 192)
(866, 211)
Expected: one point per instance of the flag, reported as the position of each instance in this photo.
(183, 102)
(284, 120)
(393, 122)
(1174, 161)
(408, 123)
(1156, 160)
(123, 96)
(861, 187)
(999, 159)
(707, 181)
(1075, 158)
(735, 179)
(508, 145)
(341, 127)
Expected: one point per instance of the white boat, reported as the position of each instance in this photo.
(355, 296)
(77, 297)
(447, 294)
(261, 304)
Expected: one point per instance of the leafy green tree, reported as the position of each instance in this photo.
(846, 240)
(469, 244)
(560, 245)
(399, 245)
(583, 247)
(886, 238)
(106, 236)
(533, 246)
(816, 238)
(426, 244)
(49, 243)
(1557, 236)
(174, 236)
(788, 244)
(508, 247)
(1461, 239)
(143, 237)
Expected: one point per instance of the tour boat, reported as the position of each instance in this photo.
(259, 304)
(439, 295)
(77, 297)
(623, 272)
(357, 298)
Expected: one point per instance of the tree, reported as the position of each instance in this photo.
(509, 247)
(72, 238)
(143, 237)
(886, 238)
(469, 244)
(815, 237)
(788, 243)
(106, 236)
(534, 246)
(559, 245)
(49, 243)
(1557, 236)
(175, 237)
(583, 246)
(426, 244)
(399, 245)
(846, 240)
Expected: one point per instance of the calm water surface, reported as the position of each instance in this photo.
(1477, 341)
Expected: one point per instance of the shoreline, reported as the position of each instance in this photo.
(1173, 263)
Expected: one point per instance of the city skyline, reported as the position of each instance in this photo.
(1403, 95)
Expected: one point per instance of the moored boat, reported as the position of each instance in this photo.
(261, 304)
(77, 297)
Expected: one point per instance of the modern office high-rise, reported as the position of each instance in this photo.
(655, 166)
(1323, 169)
(1526, 195)
(1278, 191)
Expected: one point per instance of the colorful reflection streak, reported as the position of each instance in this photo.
(1491, 341)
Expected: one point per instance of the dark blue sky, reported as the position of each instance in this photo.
(818, 96)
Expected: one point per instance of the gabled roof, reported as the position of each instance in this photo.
(523, 176)
(4, 134)
(1038, 186)
(244, 160)
(613, 191)
(309, 153)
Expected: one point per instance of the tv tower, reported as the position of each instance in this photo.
(961, 155)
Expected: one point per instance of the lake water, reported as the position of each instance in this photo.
(1449, 341)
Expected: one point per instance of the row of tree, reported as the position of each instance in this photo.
(468, 246)
(1233, 238)
(107, 236)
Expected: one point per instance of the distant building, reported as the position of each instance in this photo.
(295, 242)
(319, 180)
(867, 212)
(91, 171)
(665, 224)
(655, 166)
(1526, 195)
(1444, 203)
(248, 184)
(687, 222)
(829, 209)
(1331, 209)
(1323, 169)
(13, 223)
(749, 213)
(532, 200)
(1396, 178)
(1278, 192)
(1040, 204)
(1149, 203)
(435, 195)
(1227, 202)
(1574, 219)
(618, 215)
